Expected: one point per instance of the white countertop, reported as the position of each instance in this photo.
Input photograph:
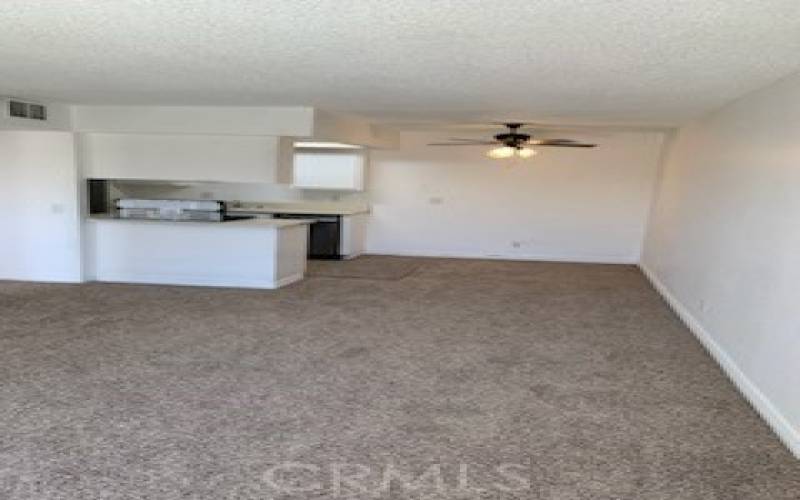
(311, 208)
(264, 223)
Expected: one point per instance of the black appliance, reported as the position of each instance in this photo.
(324, 235)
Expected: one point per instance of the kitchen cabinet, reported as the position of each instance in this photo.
(186, 157)
(255, 253)
(333, 236)
(329, 169)
(353, 235)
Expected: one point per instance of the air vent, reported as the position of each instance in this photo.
(29, 110)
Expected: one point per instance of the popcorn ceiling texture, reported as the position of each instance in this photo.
(655, 62)
(579, 372)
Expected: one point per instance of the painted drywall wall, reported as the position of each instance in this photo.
(289, 121)
(232, 120)
(39, 207)
(337, 127)
(570, 204)
(723, 244)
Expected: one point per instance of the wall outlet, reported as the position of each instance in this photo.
(516, 244)
(436, 200)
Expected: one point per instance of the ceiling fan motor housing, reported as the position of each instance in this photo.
(513, 139)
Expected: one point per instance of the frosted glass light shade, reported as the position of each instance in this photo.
(501, 152)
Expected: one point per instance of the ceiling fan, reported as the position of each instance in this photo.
(513, 143)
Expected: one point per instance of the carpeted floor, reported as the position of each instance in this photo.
(370, 267)
(528, 380)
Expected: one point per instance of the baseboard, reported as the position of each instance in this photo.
(757, 399)
(193, 281)
(42, 279)
(583, 259)
(288, 280)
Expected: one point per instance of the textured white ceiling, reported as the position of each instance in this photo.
(622, 61)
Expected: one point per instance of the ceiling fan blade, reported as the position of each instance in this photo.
(460, 139)
(552, 141)
(561, 143)
(484, 143)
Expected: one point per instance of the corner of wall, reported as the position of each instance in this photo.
(789, 435)
(667, 142)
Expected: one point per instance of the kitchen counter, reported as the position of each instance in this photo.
(250, 253)
(258, 223)
(315, 208)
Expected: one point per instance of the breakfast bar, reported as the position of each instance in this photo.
(252, 253)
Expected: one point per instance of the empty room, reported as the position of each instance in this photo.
(359, 249)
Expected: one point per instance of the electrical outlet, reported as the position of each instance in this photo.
(435, 200)
(516, 244)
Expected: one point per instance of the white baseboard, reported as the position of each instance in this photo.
(180, 280)
(288, 280)
(43, 279)
(789, 435)
(583, 259)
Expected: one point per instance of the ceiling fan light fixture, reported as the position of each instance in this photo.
(514, 142)
(501, 152)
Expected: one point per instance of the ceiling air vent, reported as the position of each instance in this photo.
(29, 110)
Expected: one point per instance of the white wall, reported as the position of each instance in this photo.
(289, 121)
(724, 244)
(39, 207)
(564, 204)
(337, 127)
(232, 120)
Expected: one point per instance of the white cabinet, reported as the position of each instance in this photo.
(353, 235)
(188, 157)
(256, 254)
(329, 169)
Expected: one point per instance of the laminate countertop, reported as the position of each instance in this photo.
(311, 208)
(263, 223)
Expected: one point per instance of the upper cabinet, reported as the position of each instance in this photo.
(329, 169)
(196, 157)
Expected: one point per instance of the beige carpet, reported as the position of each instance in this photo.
(371, 267)
(578, 377)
